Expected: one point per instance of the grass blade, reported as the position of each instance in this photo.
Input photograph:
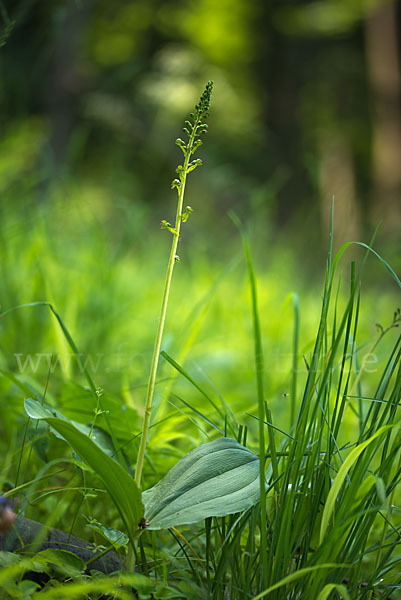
(339, 480)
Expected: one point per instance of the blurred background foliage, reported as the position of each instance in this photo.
(93, 94)
(307, 106)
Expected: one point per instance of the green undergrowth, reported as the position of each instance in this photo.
(300, 387)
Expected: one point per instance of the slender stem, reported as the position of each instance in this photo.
(163, 312)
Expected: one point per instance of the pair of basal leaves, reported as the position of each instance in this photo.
(214, 480)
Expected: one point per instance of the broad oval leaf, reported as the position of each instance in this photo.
(120, 485)
(100, 437)
(217, 479)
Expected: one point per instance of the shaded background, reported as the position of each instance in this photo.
(306, 106)
(93, 94)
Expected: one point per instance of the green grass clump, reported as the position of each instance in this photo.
(323, 421)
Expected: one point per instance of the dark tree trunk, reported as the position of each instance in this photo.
(382, 52)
